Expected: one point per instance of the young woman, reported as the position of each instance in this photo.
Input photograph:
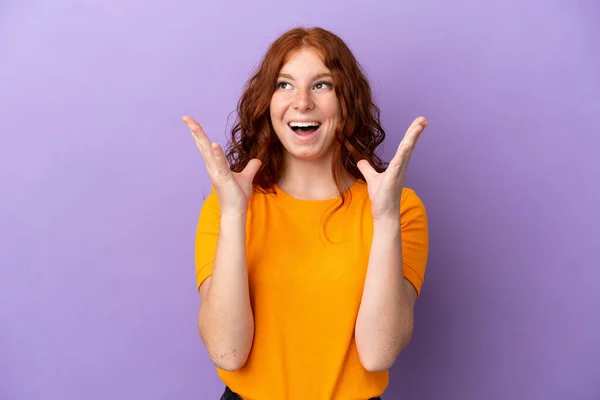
(310, 252)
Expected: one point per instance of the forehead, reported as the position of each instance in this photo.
(303, 62)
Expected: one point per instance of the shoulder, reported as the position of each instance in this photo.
(211, 202)
(409, 199)
(413, 213)
(210, 213)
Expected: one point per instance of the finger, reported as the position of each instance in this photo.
(414, 131)
(424, 125)
(367, 170)
(402, 155)
(202, 141)
(198, 133)
(410, 139)
(251, 169)
(405, 154)
(221, 165)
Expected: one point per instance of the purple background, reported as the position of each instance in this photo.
(101, 186)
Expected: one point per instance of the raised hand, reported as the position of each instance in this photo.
(385, 188)
(233, 189)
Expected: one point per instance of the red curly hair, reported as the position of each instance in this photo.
(357, 136)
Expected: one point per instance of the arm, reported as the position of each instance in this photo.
(225, 320)
(385, 318)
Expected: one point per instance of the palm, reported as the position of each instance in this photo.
(242, 184)
(385, 188)
(233, 189)
(382, 189)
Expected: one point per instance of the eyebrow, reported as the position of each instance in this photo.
(318, 76)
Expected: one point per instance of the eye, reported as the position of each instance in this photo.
(282, 85)
(323, 85)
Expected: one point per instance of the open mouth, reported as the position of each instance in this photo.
(304, 128)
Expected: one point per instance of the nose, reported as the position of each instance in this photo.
(303, 101)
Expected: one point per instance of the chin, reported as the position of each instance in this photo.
(306, 156)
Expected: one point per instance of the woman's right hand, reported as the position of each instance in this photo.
(233, 189)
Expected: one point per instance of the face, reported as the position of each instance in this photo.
(305, 110)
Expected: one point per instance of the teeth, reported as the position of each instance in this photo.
(303, 124)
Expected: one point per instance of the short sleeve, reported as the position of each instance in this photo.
(207, 235)
(415, 238)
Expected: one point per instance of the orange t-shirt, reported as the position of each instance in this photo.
(305, 291)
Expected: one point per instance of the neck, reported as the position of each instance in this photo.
(311, 180)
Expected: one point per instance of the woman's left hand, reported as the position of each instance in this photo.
(385, 188)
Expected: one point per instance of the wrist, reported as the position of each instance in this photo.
(388, 223)
(232, 218)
